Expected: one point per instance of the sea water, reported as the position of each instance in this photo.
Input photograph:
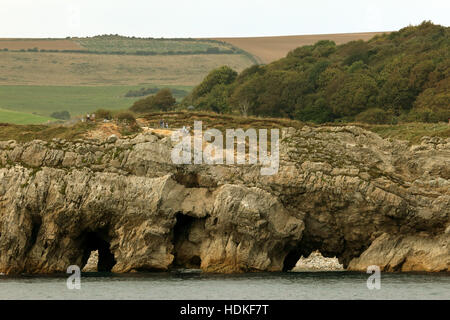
(191, 284)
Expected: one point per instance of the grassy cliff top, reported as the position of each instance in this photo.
(411, 132)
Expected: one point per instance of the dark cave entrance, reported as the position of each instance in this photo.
(195, 262)
(98, 240)
(183, 257)
(291, 259)
(36, 222)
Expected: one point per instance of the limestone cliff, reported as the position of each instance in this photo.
(341, 190)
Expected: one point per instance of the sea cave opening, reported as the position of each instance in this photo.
(36, 223)
(98, 241)
(185, 251)
(291, 259)
(36, 226)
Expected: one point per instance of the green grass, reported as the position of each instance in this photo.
(24, 133)
(411, 132)
(158, 46)
(178, 119)
(82, 69)
(8, 116)
(78, 100)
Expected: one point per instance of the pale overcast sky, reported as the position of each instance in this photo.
(208, 18)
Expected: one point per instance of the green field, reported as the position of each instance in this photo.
(157, 46)
(43, 100)
(8, 116)
(84, 69)
(42, 76)
(116, 44)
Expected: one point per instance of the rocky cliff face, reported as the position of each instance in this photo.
(340, 190)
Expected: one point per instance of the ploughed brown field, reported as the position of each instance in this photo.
(268, 49)
(41, 44)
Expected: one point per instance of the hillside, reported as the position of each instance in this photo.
(80, 69)
(116, 44)
(8, 116)
(401, 76)
(391, 74)
(12, 44)
(269, 49)
(80, 75)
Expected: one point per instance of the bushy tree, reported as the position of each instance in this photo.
(61, 115)
(103, 114)
(161, 101)
(317, 111)
(355, 51)
(223, 75)
(433, 104)
(216, 100)
(126, 117)
(374, 116)
(354, 93)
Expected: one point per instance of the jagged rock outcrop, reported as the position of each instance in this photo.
(92, 263)
(341, 190)
(317, 262)
(419, 252)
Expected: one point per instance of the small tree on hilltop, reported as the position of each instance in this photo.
(244, 106)
(62, 115)
(161, 101)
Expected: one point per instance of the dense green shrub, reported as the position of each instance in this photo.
(319, 112)
(103, 114)
(428, 115)
(142, 92)
(221, 76)
(61, 115)
(126, 117)
(162, 101)
(374, 116)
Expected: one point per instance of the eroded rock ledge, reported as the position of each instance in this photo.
(341, 190)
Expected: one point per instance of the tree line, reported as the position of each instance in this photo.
(400, 76)
(212, 51)
(148, 91)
